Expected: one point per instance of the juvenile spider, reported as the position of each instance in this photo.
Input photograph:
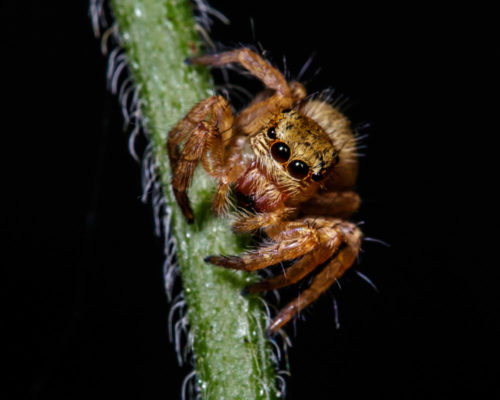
(292, 164)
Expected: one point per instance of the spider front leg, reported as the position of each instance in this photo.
(252, 62)
(285, 95)
(207, 128)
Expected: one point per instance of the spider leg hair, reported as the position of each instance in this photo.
(207, 128)
(327, 277)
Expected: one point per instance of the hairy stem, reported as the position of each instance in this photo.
(232, 354)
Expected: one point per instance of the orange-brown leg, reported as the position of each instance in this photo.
(290, 239)
(317, 241)
(187, 124)
(252, 62)
(186, 164)
(252, 222)
(330, 236)
(292, 275)
(208, 129)
(298, 91)
(340, 263)
(290, 244)
(257, 114)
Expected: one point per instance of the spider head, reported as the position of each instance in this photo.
(295, 150)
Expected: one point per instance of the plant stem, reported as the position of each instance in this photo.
(232, 354)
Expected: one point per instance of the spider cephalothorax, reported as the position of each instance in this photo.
(298, 144)
(292, 164)
(293, 154)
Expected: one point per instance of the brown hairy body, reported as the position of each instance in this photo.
(292, 163)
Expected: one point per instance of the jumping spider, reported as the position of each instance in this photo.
(292, 164)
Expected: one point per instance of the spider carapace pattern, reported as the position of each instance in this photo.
(291, 162)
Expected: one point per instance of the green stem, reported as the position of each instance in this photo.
(232, 354)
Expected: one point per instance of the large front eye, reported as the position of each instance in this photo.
(298, 169)
(280, 152)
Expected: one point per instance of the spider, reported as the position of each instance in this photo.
(291, 162)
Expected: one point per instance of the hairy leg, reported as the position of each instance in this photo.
(290, 240)
(316, 241)
(292, 244)
(252, 222)
(186, 164)
(333, 270)
(330, 236)
(258, 113)
(293, 274)
(207, 128)
(253, 63)
(192, 119)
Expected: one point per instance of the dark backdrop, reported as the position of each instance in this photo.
(83, 299)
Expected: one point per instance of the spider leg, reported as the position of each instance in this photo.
(346, 256)
(253, 63)
(252, 222)
(207, 127)
(298, 91)
(329, 243)
(187, 124)
(292, 275)
(257, 114)
(298, 243)
(186, 164)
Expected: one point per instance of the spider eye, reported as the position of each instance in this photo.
(280, 152)
(271, 133)
(318, 176)
(298, 169)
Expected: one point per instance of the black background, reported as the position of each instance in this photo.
(84, 307)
